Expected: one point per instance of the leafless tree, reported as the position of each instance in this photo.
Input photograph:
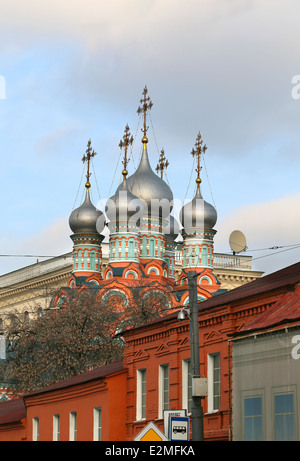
(63, 342)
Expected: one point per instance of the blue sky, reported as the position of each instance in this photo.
(75, 70)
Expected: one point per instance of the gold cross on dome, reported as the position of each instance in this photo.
(146, 105)
(199, 150)
(162, 164)
(87, 158)
(126, 142)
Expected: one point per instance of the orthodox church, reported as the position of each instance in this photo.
(142, 235)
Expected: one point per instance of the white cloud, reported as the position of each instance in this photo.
(265, 225)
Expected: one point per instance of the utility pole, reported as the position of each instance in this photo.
(197, 410)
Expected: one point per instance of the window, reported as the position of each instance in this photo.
(56, 427)
(131, 248)
(73, 426)
(141, 394)
(204, 254)
(214, 382)
(186, 385)
(163, 386)
(151, 246)
(284, 419)
(35, 429)
(93, 260)
(253, 418)
(123, 248)
(97, 423)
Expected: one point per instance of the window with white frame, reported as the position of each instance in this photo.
(186, 385)
(56, 427)
(141, 394)
(214, 382)
(163, 389)
(73, 426)
(35, 429)
(97, 424)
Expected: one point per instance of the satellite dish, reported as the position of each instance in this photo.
(237, 241)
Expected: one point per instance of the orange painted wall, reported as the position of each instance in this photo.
(14, 432)
(108, 394)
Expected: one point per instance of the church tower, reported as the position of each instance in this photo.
(198, 219)
(87, 223)
(157, 200)
(123, 210)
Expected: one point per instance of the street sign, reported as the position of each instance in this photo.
(179, 428)
(150, 433)
(167, 415)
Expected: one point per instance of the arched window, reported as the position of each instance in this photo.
(26, 318)
(151, 246)
(79, 259)
(117, 249)
(131, 248)
(204, 253)
(85, 263)
(123, 248)
(190, 255)
(93, 260)
(144, 246)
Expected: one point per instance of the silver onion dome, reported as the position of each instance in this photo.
(171, 229)
(86, 219)
(149, 187)
(123, 205)
(198, 214)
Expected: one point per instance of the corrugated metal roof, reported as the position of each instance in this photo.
(284, 277)
(285, 311)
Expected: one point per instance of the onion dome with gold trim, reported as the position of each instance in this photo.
(144, 183)
(123, 205)
(198, 214)
(149, 187)
(87, 219)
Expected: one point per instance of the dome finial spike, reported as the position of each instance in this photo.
(146, 105)
(126, 142)
(87, 158)
(198, 151)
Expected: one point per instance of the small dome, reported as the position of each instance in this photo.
(146, 185)
(122, 206)
(86, 219)
(198, 214)
(171, 228)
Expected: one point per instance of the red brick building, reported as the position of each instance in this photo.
(121, 398)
